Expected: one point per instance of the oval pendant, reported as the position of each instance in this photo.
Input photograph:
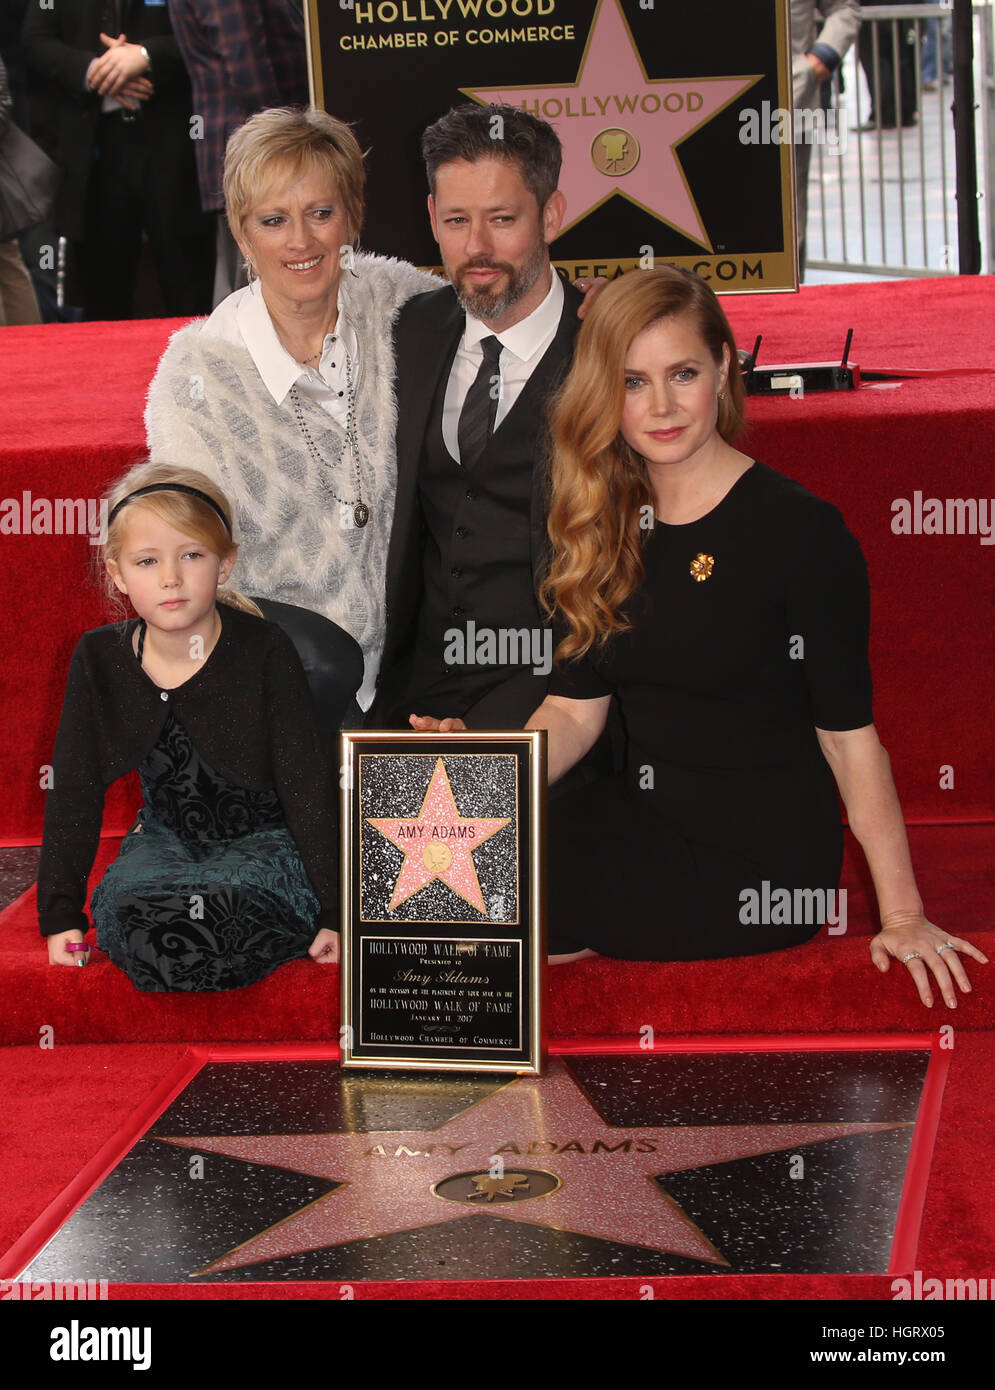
(361, 513)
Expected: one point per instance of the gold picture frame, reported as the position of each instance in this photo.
(443, 901)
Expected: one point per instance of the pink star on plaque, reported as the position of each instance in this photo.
(620, 129)
(564, 1168)
(438, 843)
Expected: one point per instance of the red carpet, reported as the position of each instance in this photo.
(934, 664)
(827, 984)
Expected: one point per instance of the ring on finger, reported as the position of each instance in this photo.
(912, 955)
(947, 946)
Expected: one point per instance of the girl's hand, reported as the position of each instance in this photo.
(325, 947)
(57, 953)
(425, 724)
(920, 947)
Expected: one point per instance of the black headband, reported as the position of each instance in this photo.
(170, 487)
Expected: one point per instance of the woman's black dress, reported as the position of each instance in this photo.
(723, 835)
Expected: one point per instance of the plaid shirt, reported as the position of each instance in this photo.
(242, 56)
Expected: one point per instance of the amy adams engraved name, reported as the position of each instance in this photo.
(445, 977)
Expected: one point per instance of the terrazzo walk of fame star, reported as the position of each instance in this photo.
(618, 1164)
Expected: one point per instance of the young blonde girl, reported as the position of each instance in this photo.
(231, 868)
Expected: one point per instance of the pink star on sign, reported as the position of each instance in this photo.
(620, 129)
(438, 843)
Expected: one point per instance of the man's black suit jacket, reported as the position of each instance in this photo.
(58, 45)
(426, 335)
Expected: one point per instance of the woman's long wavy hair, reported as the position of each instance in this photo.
(600, 490)
(187, 514)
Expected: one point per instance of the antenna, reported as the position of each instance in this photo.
(748, 360)
(846, 349)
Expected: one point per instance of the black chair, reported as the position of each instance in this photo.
(331, 657)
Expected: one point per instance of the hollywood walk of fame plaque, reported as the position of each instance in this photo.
(674, 122)
(443, 939)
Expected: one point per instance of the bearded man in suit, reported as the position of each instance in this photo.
(477, 362)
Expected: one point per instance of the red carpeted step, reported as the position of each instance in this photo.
(828, 984)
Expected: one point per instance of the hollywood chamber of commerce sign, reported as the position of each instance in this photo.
(652, 106)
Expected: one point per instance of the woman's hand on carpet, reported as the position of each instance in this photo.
(921, 947)
(425, 724)
(325, 947)
(58, 954)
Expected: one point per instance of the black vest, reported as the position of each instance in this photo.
(477, 563)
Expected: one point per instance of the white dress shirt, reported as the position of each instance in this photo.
(523, 346)
(243, 319)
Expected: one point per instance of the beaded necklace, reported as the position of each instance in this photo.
(360, 511)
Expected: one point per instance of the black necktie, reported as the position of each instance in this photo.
(476, 421)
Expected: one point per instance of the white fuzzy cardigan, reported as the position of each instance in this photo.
(208, 408)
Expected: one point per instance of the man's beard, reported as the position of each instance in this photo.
(483, 303)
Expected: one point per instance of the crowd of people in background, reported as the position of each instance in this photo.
(134, 101)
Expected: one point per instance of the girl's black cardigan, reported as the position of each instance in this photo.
(250, 715)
